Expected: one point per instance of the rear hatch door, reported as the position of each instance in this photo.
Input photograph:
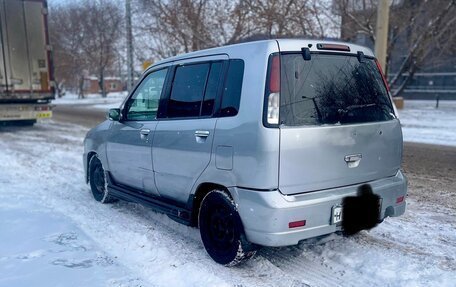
(337, 123)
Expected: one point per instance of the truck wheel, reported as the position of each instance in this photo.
(221, 230)
(97, 180)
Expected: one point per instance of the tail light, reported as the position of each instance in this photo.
(387, 88)
(383, 75)
(274, 90)
(295, 224)
(42, 108)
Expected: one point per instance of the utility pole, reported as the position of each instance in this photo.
(130, 70)
(381, 34)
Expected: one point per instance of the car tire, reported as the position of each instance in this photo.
(221, 230)
(97, 181)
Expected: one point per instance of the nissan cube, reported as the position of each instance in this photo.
(257, 144)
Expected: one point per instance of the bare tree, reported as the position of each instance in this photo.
(85, 36)
(65, 26)
(289, 18)
(180, 26)
(101, 32)
(426, 36)
(419, 29)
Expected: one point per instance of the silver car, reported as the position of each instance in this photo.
(258, 144)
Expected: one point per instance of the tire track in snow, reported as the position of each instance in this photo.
(313, 270)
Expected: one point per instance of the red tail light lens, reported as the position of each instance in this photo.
(383, 76)
(42, 108)
(274, 78)
(295, 224)
(400, 199)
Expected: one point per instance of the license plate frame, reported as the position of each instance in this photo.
(336, 214)
(44, 115)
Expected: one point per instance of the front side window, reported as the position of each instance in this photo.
(331, 89)
(187, 92)
(143, 105)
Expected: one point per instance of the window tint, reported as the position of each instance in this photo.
(188, 90)
(233, 88)
(143, 105)
(211, 89)
(332, 89)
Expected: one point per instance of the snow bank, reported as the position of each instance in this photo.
(423, 123)
(113, 100)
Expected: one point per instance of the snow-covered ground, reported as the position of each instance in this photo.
(422, 122)
(52, 233)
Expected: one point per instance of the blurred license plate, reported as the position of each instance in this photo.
(336, 214)
(44, 115)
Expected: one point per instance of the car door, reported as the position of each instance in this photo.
(183, 138)
(129, 145)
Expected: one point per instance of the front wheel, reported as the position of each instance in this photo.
(97, 181)
(221, 230)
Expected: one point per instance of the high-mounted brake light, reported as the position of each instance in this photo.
(333, 47)
(274, 90)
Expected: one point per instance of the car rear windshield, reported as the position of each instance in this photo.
(332, 89)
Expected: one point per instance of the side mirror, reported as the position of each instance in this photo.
(114, 115)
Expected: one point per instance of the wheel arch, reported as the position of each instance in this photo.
(195, 199)
(90, 155)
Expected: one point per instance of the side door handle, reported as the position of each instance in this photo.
(202, 134)
(144, 133)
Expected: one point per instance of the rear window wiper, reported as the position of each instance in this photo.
(355, 107)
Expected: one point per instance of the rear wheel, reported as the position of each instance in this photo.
(97, 181)
(221, 230)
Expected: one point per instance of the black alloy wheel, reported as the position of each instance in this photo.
(221, 230)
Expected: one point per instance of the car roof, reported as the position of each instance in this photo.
(284, 44)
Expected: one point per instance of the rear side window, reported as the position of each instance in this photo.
(212, 86)
(188, 90)
(331, 89)
(233, 87)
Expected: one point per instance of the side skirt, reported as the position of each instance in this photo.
(166, 206)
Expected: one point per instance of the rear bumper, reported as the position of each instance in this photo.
(18, 112)
(266, 215)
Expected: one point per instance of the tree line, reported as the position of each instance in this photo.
(88, 37)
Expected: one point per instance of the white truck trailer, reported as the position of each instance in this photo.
(26, 71)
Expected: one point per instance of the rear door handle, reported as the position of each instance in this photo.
(353, 160)
(202, 134)
(353, 157)
(144, 133)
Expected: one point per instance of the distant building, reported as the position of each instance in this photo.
(112, 84)
(437, 75)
